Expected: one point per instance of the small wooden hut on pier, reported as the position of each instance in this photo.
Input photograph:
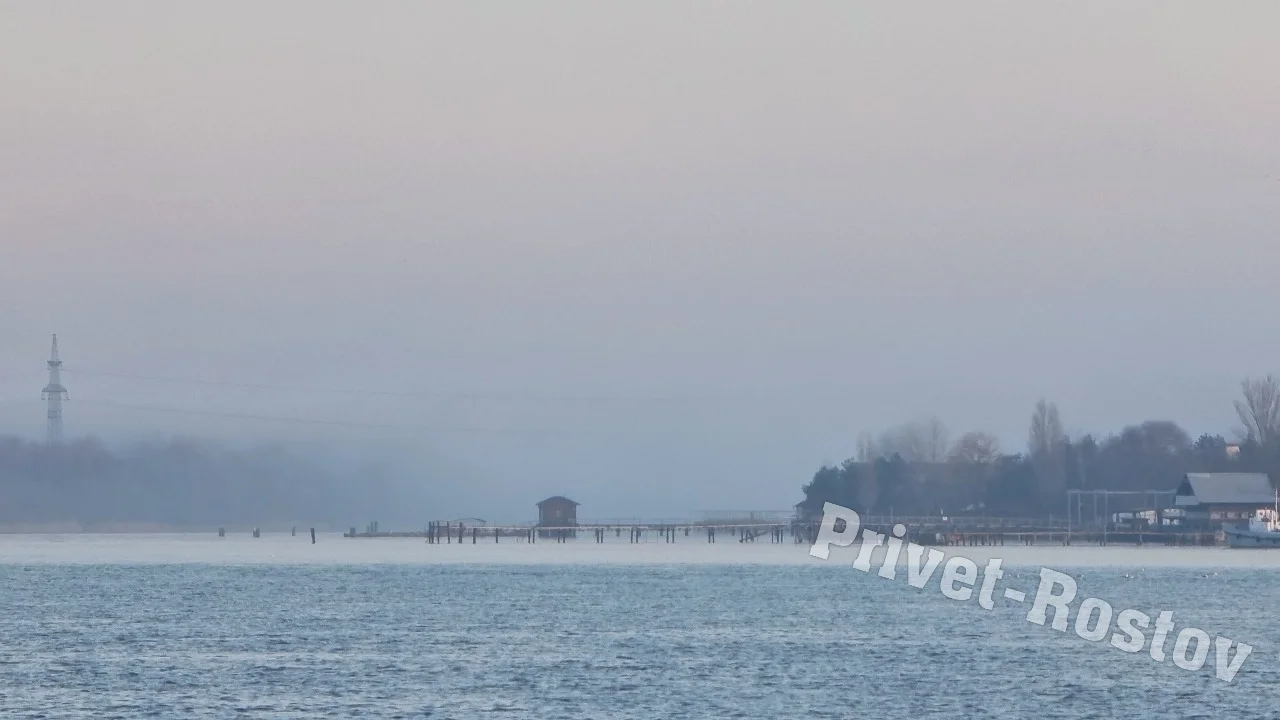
(557, 511)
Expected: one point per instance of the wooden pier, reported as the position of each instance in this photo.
(923, 531)
(450, 533)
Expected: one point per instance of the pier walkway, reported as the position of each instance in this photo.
(923, 531)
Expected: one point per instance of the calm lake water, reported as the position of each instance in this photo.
(198, 627)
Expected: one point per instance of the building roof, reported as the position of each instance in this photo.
(1229, 488)
(558, 499)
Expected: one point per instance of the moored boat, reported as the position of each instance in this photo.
(1260, 533)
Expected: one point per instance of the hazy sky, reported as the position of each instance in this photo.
(698, 247)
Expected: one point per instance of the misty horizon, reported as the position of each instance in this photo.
(658, 258)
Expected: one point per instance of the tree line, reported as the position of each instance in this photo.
(917, 470)
(185, 482)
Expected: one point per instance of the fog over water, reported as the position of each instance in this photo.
(324, 264)
(238, 549)
(657, 257)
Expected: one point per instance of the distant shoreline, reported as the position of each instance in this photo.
(76, 528)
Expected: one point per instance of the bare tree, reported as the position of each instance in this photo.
(973, 459)
(1259, 410)
(905, 440)
(1163, 437)
(975, 448)
(916, 441)
(936, 440)
(1047, 445)
(1046, 435)
(867, 450)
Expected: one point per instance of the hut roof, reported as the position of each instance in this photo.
(558, 499)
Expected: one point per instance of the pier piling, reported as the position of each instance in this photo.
(976, 532)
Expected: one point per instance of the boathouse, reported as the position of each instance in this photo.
(808, 510)
(1211, 499)
(557, 511)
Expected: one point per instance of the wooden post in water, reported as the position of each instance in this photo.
(256, 533)
(313, 536)
(473, 535)
(222, 532)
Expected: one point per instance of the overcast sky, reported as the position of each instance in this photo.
(660, 256)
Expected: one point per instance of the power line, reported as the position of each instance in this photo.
(348, 423)
(223, 383)
(233, 415)
(509, 396)
(21, 374)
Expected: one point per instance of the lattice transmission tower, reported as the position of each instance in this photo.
(54, 394)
